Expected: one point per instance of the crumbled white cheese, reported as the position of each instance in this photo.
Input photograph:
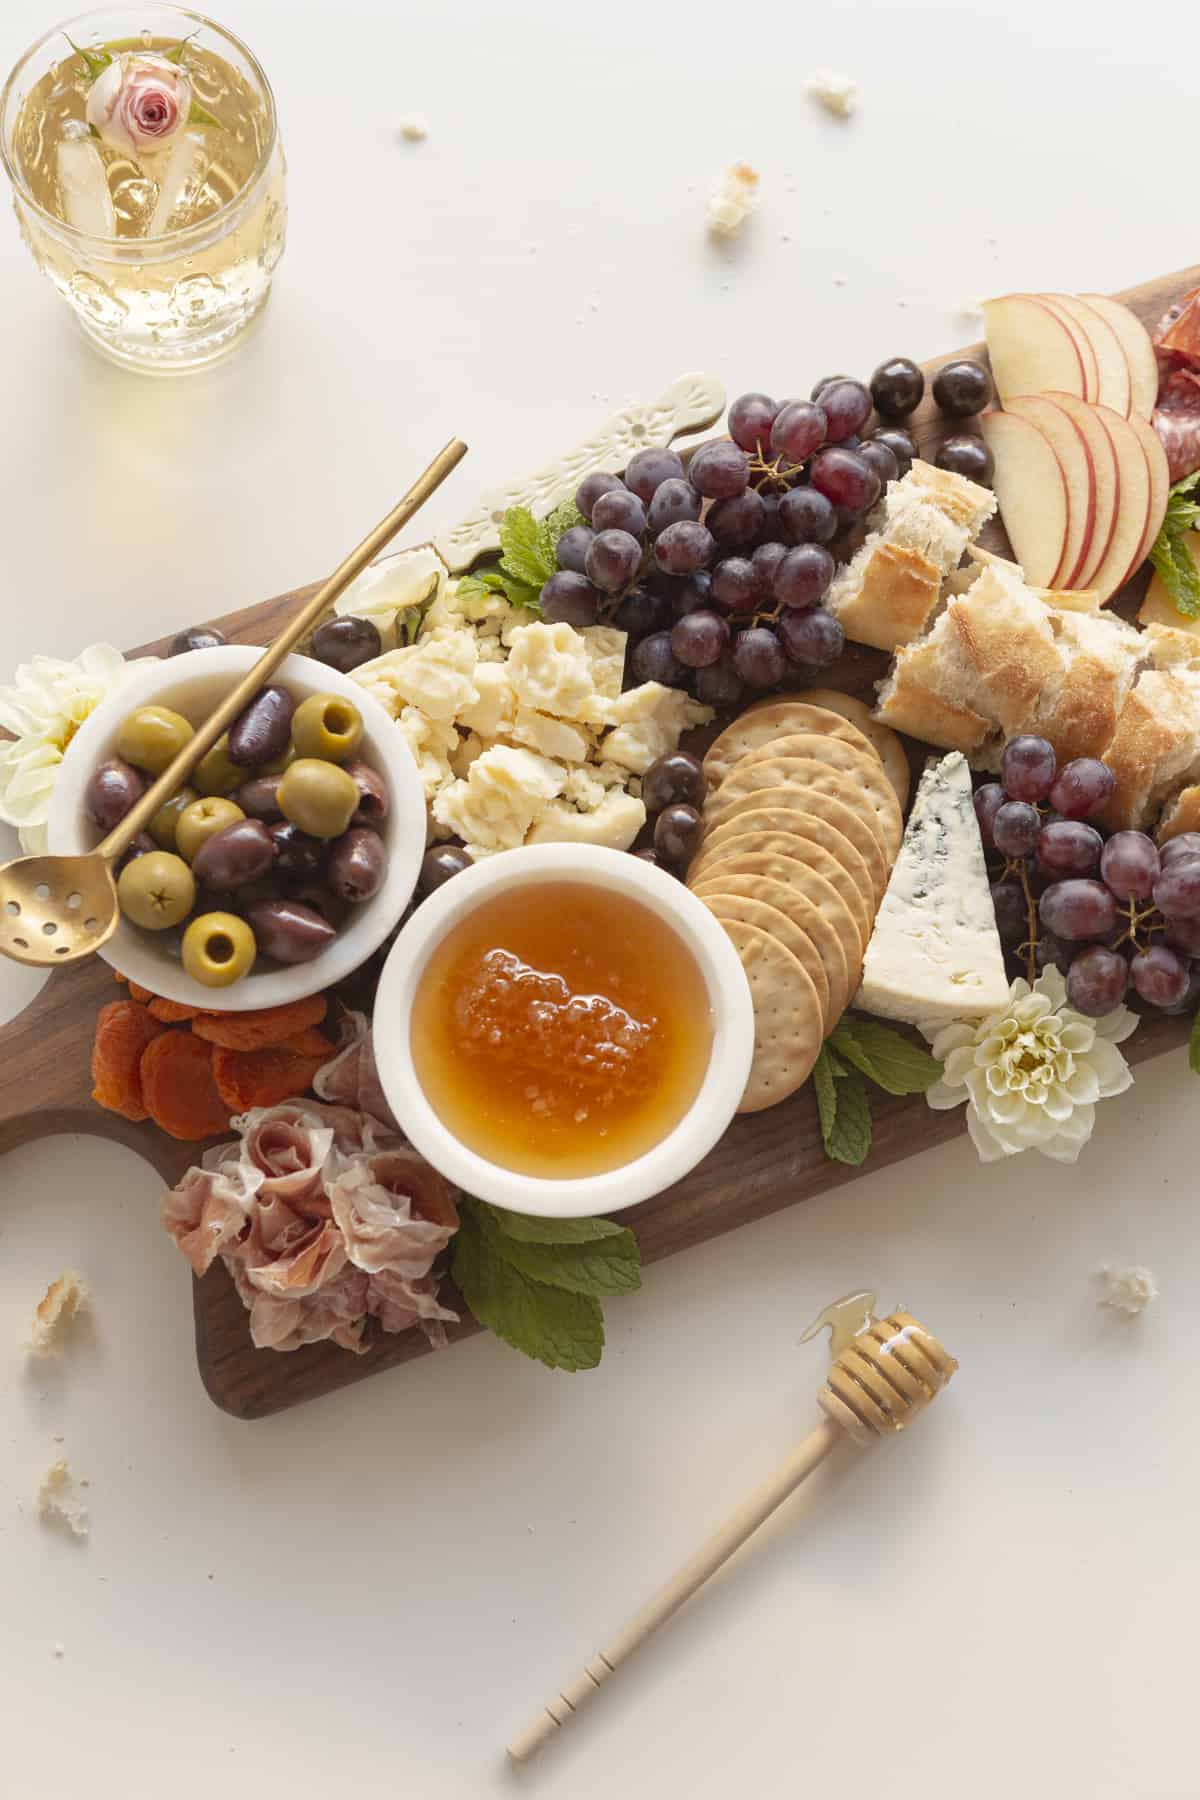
(838, 94)
(549, 737)
(732, 200)
(504, 793)
(1127, 1290)
(58, 1502)
(550, 670)
(66, 1296)
(614, 824)
(433, 742)
(413, 128)
(435, 674)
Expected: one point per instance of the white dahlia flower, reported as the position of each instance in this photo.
(1032, 1073)
(43, 708)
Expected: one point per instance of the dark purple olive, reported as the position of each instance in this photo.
(228, 859)
(678, 834)
(141, 845)
(357, 865)
(373, 804)
(439, 864)
(346, 644)
(296, 854)
(322, 899)
(112, 790)
(197, 637)
(262, 732)
(288, 931)
(676, 779)
(259, 799)
(966, 454)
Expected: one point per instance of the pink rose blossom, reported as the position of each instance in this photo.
(139, 102)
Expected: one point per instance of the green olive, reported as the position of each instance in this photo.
(202, 820)
(327, 726)
(165, 822)
(152, 736)
(318, 797)
(156, 891)
(218, 949)
(214, 773)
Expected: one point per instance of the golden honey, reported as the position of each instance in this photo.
(561, 1030)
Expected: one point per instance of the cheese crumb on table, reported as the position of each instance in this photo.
(413, 128)
(837, 93)
(732, 200)
(58, 1502)
(63, 1299)
(1127, 1290)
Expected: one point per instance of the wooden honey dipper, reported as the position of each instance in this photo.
(885, 1371)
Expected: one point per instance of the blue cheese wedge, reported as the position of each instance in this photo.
(935, 953)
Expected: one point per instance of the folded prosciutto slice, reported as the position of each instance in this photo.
(352, 1078)
(1177, 414)
(212, 1207)
(394, 1211)
(337, 1312)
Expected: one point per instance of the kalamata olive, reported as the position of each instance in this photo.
(678, 834)
(242, 852)
(439, 864)
(322, 899)
(289, 932)
(259, 799)
(263, 730)
(142, 845)
(675, 779)
(373, 795)
(357, 864)
(197, 637)
(346, 644)
(297, 854)
(112, 790)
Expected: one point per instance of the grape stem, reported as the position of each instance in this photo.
(1016, 869)
(778, 472)
(1134, 919)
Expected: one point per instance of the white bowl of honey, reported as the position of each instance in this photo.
(563, 1030)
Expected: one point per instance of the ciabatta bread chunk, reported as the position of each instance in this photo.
(1001, 637)
(891, 588)
(1155, 747)
(918, 697)
(1181, 814)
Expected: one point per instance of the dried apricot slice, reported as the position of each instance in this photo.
(247, 1078)
(178, 1087)
(172, 1012)
(310, 1043)
(123, 1030)
(260, 1030)
(140, 994)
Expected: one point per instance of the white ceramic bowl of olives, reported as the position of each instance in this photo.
(307, 905)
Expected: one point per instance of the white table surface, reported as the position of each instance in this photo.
(376, 1589)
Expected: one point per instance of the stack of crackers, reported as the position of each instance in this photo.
(804, 819)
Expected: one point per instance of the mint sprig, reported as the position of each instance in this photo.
(527, 556)
(538, 1283)
(1170, 554)
(858, 1051)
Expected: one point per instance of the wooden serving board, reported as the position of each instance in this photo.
(765, 1161)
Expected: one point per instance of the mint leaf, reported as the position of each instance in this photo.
(608, 1266)
(848, 1139)
(530, 1230)
(563, 1330)
(1194, 1046)
(825, 1088)
(521, 594)
(496, 581)
(565, 516)
(1177, 570)
(200, 115)
(520, 553)
(892, 1062)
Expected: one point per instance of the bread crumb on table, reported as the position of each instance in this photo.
(63, 1299)
(58, 1502)
(732, 200)
(413, 128)
(1127, 1290)
(838, 94)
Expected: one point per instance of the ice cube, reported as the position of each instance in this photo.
(86, 201)
(180, 180)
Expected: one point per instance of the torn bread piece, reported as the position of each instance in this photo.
(1155, 747)
(63, 1299)
(58, 1500)
(1179, 815)
(966, 502)
(912, 699)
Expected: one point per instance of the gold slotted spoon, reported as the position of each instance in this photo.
(56, 910)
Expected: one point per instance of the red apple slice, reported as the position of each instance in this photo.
(1030, 348)
(1133, 515)
(1075, 460)
(1160, 486)
(1114, 388)
(1108, 480)
(1134, 340)
(1032, 492)
(1082, 342)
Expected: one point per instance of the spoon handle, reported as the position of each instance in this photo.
(205, 736)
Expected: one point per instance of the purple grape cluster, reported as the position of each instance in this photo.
(718, 573)
(1114, 913)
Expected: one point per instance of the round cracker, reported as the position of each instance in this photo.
(790, 834)
(836, 753)
(788, 866)
(777, 925)
(764, 725)
(808, 916)
(788, 804)
(808, 777)
(887, 745)
(771, 885)
(788, 1024)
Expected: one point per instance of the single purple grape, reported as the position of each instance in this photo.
(1077, 909)
(1177, 890)
(1015, 828)
(674, 500)
(720, 685)
(807, 517)
(648, 469)
(736, 523)
(901, 446)
(1027, 768)
(799, 429)
(654, 660)
(641, 613)
(1097, 980)
(803, 577)
(1082, 788)
(1184, 935)
(1129, 865)
(880, 457)
(699, 640)
(570, 599)
(613, 560)
(1187, 843)
(689, 593)
(845, 479)
(812, 639)
(591, 488)
(1069, 847)
(751, 417)
(1012, 917)
(766, 560)
(719, 470)
(988, 801)
(571, 550)
(735, 584)
(847, 407)
(758, 658)
(1159, 975)
(684, 547)
(619, 512)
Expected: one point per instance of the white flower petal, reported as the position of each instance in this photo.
(987, 1145)
(1112, 1071)
(950, 1037)
(942, 1097)
(1116, 1026)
